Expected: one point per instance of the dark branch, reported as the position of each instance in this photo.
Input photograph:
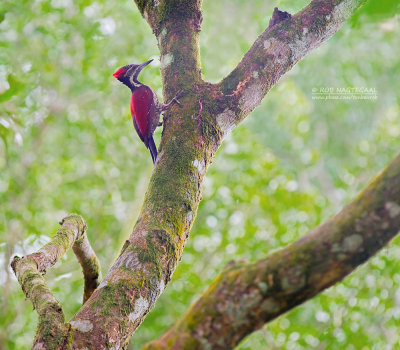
(30, 270)
(191, 136)
(90, 265)
(286, 41)
(246, 296)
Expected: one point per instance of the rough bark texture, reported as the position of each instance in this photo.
(277, 50)
(90, 266)
(191, 136)
(52, 332)
(246, 296)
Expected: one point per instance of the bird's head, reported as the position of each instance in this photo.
(128, 74)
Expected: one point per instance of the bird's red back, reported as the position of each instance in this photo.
(143, 111)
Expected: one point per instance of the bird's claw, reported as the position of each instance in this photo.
(179, 94)
(175, 99)
(167, 106)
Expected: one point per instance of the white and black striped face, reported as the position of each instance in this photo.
(128, 74)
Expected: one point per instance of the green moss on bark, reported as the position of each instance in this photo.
(141, 4)
(178, 10)
(115, 298)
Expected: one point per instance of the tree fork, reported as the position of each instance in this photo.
(52, 331)
(190, 139)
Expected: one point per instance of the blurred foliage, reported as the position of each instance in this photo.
(67, 145)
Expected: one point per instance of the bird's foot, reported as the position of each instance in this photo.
(175, 100)
(180, 94)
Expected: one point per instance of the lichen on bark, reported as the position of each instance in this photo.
(245, 296)
(191, 136)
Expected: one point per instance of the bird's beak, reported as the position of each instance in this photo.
(144, 64)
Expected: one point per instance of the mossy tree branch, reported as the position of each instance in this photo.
(90, 265)
(177, 25)
(30, 270)
(151, 253)
(245, 296)
(191, 136)
(286, 41)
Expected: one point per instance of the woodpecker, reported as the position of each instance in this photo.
(146, 108)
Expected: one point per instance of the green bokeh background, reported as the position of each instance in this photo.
(67, 145)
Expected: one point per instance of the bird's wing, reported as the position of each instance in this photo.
(142, 110)
(137, 128)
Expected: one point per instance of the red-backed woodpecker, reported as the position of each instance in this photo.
(145, 106)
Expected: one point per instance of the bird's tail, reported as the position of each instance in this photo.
(153, 149)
